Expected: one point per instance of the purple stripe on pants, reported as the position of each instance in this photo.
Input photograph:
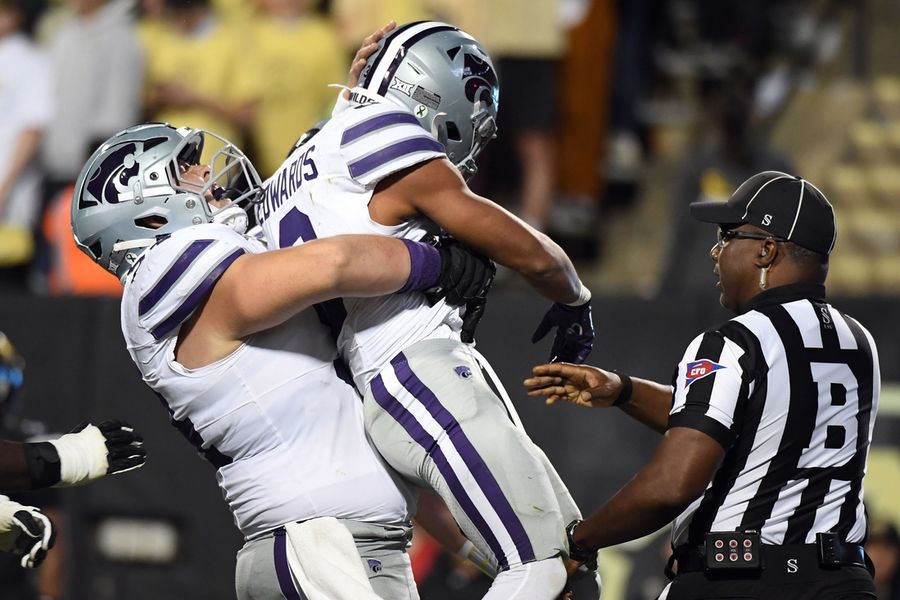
(282, 570)
(486, 481)
(418, 433)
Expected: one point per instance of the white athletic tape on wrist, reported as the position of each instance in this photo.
(584, 296)
(7, 509)
(324, 560)
(82, 456)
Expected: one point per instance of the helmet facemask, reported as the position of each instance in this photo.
(132, 191)
(484, 129)
(231, 178)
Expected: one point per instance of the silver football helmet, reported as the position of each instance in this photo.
(445, 78)
(130, 192)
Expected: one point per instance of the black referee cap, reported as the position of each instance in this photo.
(786, 206)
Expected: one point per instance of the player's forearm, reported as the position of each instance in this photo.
(263, 290)
(512, 243)
(551, 273)
(437, 191)
(370, 266)
(650, 403)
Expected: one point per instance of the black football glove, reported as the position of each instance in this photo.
(125, 447)
(25, 532)
(574, 332)
(465, 279)
(92, 451)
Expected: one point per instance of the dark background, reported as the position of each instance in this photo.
(78, 368)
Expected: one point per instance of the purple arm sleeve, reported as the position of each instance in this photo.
(424, 267)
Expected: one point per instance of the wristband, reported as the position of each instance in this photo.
(43, 464)
(627, 389)
(424, 266)
(584, 296)
(577, 552)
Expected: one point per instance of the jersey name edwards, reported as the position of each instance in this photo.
(287, 181)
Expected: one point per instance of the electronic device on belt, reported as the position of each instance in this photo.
(731, 550)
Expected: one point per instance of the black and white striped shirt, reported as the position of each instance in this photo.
(790, 389)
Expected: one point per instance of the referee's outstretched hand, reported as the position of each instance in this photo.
(578, 384)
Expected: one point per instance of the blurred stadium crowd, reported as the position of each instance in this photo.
(614, 115)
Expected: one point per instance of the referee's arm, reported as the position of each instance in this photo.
(677, 475)
(647, 401)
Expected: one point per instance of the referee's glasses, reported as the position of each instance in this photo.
(726, 235)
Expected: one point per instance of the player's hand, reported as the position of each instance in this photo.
(576, 570)
(578, 384)
(366, 49)
(125, 447)
(574, 332)
(25, 532)
(90, 451)
(465, 279)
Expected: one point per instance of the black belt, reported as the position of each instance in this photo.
(834, 555)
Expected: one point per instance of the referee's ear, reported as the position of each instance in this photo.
(769, 250)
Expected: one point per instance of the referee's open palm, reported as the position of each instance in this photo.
(578, 384)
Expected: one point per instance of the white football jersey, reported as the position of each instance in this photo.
(284, 433)
(323, 189)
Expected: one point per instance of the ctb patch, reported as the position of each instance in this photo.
(699, 369)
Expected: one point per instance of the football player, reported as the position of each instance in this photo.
(219, 330)
(393, 161)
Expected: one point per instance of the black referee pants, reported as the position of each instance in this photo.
(812, 583)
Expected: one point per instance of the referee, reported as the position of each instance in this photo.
(768, 422)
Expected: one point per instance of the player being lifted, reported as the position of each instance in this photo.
(218, 328)
(393, 161)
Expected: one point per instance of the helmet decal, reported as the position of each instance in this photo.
(111, 176)
(478, 74)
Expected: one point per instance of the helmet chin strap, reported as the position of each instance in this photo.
(131, 244)
(232, 216)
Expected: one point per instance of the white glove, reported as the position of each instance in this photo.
(25, 531)
(90, 452)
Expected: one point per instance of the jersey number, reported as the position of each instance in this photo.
(833, 443)
(294, 225)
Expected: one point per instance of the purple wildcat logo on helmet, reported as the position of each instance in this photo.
(112, 176)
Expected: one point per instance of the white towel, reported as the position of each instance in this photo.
(324, 559)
